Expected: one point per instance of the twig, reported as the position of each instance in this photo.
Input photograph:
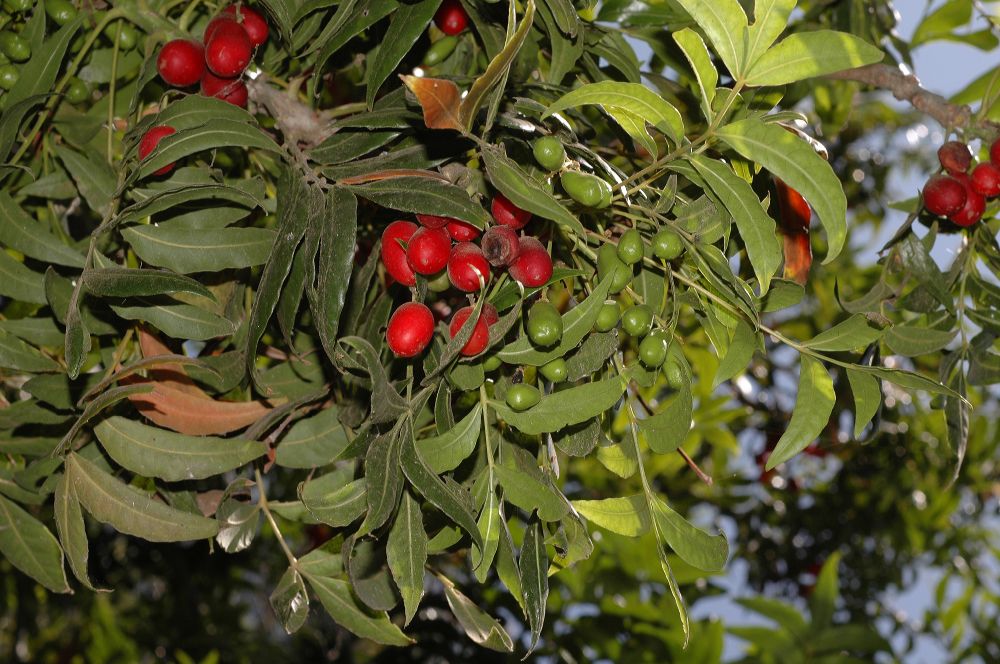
(297, 122)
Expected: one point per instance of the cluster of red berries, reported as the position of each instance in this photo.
(957, 194)
(442, 247)
(229, 44)
(451, 18)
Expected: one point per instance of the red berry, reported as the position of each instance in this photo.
(394, 238)
(251, 20)
(972, 211)
(461, 231)
(181, 62)
(533, 265)
(466, 265)
(428, 250)
(508, 214)
(228, 50)
(995, 152)
(986, 180)
(451, 18)
(955, 157)
(432, 221)
(411, 328)
(481, 330)
(232, 90)
(500, 245)
(944, 195)
(214, 24)
(150, 140)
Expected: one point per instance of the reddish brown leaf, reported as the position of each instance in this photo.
(390, 174)
(170, 374)
(793, 222)
(440, 99)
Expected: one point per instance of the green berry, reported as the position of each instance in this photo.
(608, 263)
(545, 325)
(491, 363)
(637, 320)
(440, 50)
(8, 76)
(667, 245)
(673, 369)
(607, 317)
(523, 397)
(555, 370)
(549, 152)
(60, 11)
(586, 189)
(14, 46)
(439, 282)
(653, 349)
(630, 247)
(77, 91)
(18, 6)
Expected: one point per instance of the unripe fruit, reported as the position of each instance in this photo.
(607, 317)
(955, 157)
(128, 38)
(608, 263)
(15, 47)
(637, 320)
(394, 238)
(77, 91)
(60, 11)
(451, 18)
(428, 250)
(439, 283)
(233, 90)
(150, 140)
(533, 265)
(467, 266)
(508, 214)
(481, 328)
(630, 247)
(944, 195)
(491, 363)
(673, 372)
(549, 152)
(251, 20)
(545, 324)
(522, 397)
(586, 189)
(995, 153)
(500, 245)
(228, 50)
(461, 231)
(667, 245)
(18, 6)
(972, 211)
(181, 62)
(411, 328)
(440, 50)
(985, 180)
(9, 75)
(432, 221)
(653, 349)
(555, 371)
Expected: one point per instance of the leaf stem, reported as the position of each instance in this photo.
(262, 502)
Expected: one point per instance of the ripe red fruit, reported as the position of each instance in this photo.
(251, 20)
(181, 62)
(481, 330)
(150, 140)
(995, 153)
(508, 214)
(972, 211)
(232, 90)
(466, 265)
(394, 237)
(944, 195)
(461, 231)
(428, 250)
(955, 157)
(411, 328)
(533, 265)
(451, 18)
(228, 50)
(500, 245)
(214, 24)
(986, 180)
(432, 221)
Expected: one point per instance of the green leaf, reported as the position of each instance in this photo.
(666, 430)
(383, 479)
(526, 193)
(386, 402)
(867, 398)
(338, 507)
(131, 511)
(854, 638)
(334, 266)
(694, 546)
(740, 353)
(31, 238)
(755, 226)
(177, 319)
(196, 110)
(823, 600)
(533, 565)
(561, 409)
(627, 515)
(787, 616)
(635, 98)
(725, 25)
(187, 250)
(942, 22)
(41, 331)
(93, 176)
(72, 530)
(19, 282)
(313, 442)
(913, 340)
(238, 522)
(578, 323)
(336, 597)
(406, 551)
(215, 133)
(407, 25)
(346, 145)
(245, 195)
(525, 486)
(446, 451)
(769, 20)
(909, 380)
(174, 457)
(489, 528)
(126, 282)
(479, 626)
(782, 294)
(813, 406)
(290, 601)
(31, 547)
(805, 55)
(795, 162)
(694, 49)
(852, 333)
(19, 356)
(424, 195)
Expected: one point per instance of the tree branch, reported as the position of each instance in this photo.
(297, 122)
(906, 87)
